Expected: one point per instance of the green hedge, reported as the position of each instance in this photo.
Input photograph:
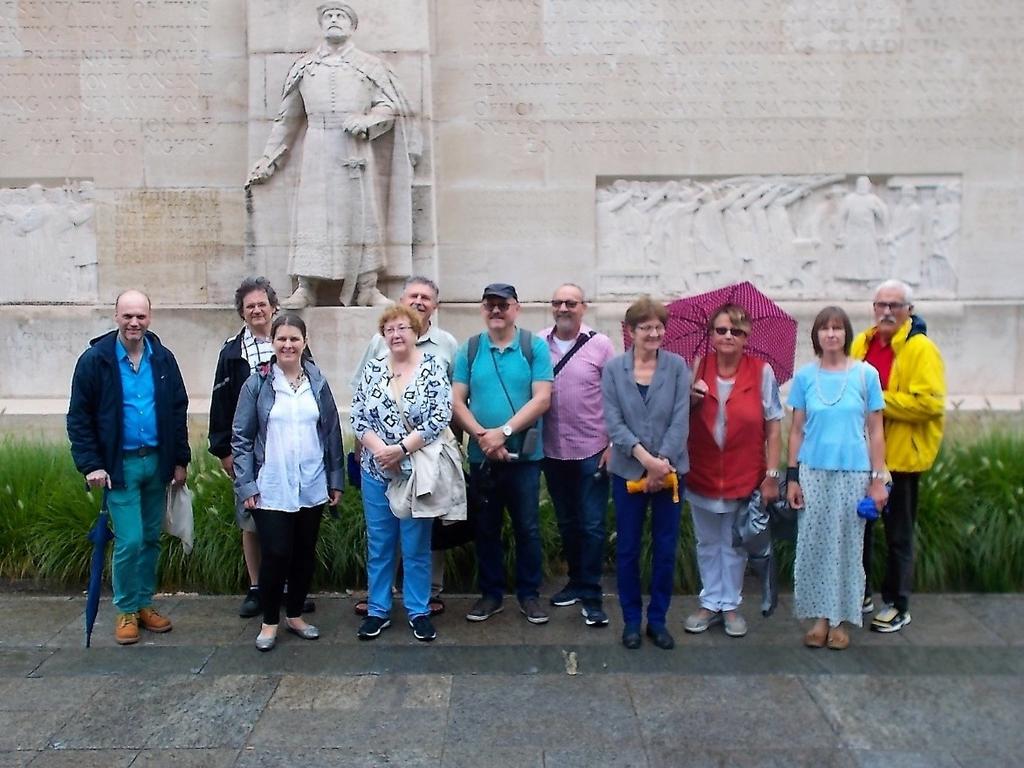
(970, 530)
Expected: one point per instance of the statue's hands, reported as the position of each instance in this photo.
(262, 171)
(358, 125)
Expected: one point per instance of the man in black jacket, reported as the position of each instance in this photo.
(256, 303)
(128, 431)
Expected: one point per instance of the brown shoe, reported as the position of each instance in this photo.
(150, 619)
(126, 629)
(817, 636)
(838, 639)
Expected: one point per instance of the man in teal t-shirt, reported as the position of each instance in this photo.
(500, 392)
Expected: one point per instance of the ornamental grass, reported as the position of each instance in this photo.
(970, 531)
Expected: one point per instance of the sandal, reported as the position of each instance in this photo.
(436, 605)
(362, 607)
(838, 639)
(816, 636)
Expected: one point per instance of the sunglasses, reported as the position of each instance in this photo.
(890, 306)
(501, 306)
(737, 333)
(569, 303)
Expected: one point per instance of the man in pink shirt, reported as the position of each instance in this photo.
(575, 449)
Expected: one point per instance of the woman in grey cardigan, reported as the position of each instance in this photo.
(646, 409)
(286, 443)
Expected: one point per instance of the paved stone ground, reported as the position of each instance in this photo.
(947, 691)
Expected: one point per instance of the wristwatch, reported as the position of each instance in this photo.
(876, 475)
(507, 430)
(774, 474)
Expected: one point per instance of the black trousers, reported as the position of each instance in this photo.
(899, 541)
(287, 554)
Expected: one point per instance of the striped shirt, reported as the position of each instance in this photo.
(256, 351)
(574, 426)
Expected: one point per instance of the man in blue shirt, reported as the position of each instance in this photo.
(500, 392)
(128, 432)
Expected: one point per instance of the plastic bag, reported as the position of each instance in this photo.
(178, 516)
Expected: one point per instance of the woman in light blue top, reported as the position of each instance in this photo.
(403, 402)
(833, 399)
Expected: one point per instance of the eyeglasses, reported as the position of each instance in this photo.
(396, 330)
(890, 306)
(569, 303)
(501, 306)
(651, 328)
(737, 333)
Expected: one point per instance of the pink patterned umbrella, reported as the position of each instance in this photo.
(772, 339)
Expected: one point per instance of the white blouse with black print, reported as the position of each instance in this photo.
(426, 407)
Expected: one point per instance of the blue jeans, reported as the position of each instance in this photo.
(630, 510)
(514, 486)
(137, 514)
(383, 530)
(581, 504)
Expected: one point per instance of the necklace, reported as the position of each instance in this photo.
(842, 389)
(298, 380)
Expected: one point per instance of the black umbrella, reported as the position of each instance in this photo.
(99, 535)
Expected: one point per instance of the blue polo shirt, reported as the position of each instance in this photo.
(487, 400)
(138, 390)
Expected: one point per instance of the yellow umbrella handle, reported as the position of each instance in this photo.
(640, 486)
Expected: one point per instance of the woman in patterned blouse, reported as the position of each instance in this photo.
(403, 402)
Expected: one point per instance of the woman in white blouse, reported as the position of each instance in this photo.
(402, 403)
(286, 443)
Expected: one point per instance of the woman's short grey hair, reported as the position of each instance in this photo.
(906, 290)
(251, 284)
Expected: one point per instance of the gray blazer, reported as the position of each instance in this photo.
(249, 430)
(661, 424)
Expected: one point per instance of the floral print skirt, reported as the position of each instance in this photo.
(829, 570)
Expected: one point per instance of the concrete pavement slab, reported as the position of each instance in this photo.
(952, 714)
(186, 758)
(548, 710)
(886, 758)
(182, 711)
(144, 659)
(48, 618)
(768, 756)
(999, 614)
(467, 755)
(358, 755)
(376, 729)
(16, 759)
(85, 758)
(30, 729)
(739, 712)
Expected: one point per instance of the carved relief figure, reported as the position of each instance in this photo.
(713, 254)
(353, 205)
(906, 237)
(796, 235)
(863, 221)
(49, 241)
(945, 239)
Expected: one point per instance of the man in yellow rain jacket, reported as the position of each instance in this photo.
(911, 370)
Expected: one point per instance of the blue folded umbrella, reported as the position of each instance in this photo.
(352, 469)
(99, 535)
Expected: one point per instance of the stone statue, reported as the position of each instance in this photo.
(353, 205)
(863, 221)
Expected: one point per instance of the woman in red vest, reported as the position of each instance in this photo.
(734, 445)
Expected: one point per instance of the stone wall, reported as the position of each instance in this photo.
(127, 128)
